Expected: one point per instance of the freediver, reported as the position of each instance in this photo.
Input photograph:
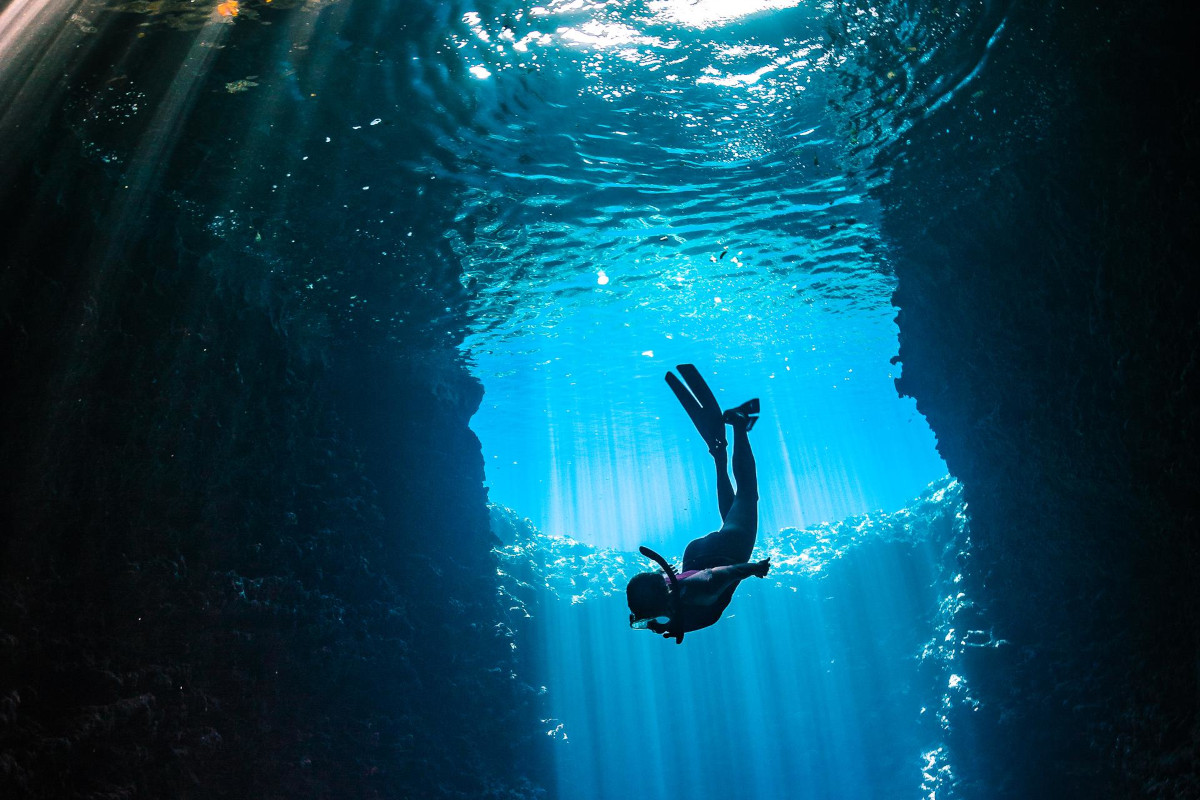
(673, 603)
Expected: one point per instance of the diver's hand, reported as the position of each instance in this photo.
(761, 567)
(665, 630)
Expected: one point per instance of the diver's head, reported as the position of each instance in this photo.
(647, 595)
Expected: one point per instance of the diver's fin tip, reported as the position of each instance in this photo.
(699, 403)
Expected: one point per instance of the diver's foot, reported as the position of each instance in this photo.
(744, 416)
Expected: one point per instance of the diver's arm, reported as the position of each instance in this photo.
(735, 572)
(706, 586)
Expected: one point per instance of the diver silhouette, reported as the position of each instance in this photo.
(673, 603)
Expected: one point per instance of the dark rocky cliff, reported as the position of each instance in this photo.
(245, 547)
(1045, 244)
(236, 563)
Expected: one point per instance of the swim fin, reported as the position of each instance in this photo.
(700, 405)
(748, 409)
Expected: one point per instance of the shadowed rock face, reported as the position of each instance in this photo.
(228, 568)
(245, 546)
(1046, 249)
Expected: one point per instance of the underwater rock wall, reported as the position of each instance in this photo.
(223, 574)
(245, 546)
(1042, 222)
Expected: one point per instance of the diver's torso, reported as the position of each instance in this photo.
(696, 617)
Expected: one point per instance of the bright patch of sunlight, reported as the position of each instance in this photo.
(708, 13)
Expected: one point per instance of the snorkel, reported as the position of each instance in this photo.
(675, 626)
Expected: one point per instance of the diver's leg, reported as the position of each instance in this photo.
(745, 471)
(724, 487)
(740, 530)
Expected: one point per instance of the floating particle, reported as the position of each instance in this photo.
(233, 87)
(601, 278)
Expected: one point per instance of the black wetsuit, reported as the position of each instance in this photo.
(734, 542)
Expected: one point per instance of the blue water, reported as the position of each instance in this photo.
(658, 193)
(828, 679)
(658, 189)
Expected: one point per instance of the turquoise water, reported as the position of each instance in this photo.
(669, 183)
(831, 678)
(665, 184)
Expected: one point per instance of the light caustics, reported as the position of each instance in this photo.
(668, 195)
(672, 196)
(709, 13)
(812, 679)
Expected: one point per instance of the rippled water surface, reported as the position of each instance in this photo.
(589, 193)
(662, 183)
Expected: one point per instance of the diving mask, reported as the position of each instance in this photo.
(643, 623)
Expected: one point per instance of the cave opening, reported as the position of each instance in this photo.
(699, 205)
